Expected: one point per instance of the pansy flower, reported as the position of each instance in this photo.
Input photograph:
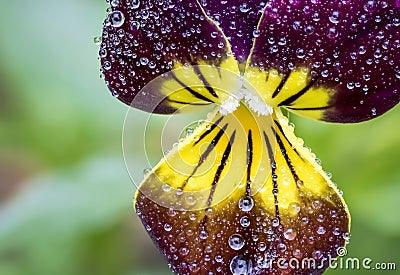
(241, 194)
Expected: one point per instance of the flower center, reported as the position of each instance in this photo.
(248, 97)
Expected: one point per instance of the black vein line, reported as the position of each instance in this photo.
(190, 90)
(288, 141)
(310, 108)
(188, 103)
(206, 153)
(206, 84)
(274, 179)
(221, 167)
(280, 86)
(249, 162)
(206, 133)
(286, 157)
(289, 101)
(267, 77)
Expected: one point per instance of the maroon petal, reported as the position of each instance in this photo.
(349, 48)
(144, 39)
(238, 20)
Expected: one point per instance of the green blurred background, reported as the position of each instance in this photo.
(65, 195)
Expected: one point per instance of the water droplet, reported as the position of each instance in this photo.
(183, 251)
(321, 230)
(256, 33)
(107, 65)
(236, 242)
(290, 234)
(334, 18)
(370, 6)
(282, 247)
(167, 227)
(166, 188)
(117, 19)
(317, 254)
(346, 236)
(241, 266)
(244, 7)
(300, 53)
(203, 235)
(144, 61)
(398, 74)
(350, 85)
(245, 221)
(135, 4)
(246, 204)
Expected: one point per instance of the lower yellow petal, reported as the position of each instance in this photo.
(243, 196)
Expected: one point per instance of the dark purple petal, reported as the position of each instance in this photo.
(351, 49)
(238, 20)
(144, 39)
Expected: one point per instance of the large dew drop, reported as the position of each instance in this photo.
(117, 19)
(241, 266)
(246, 204)
(236, 242)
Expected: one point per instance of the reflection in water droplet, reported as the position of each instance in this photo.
(167, 227)
(117, 19)
(262, 246)
(290, 234)
(135, 4)
(334, 18)
(241, 266)
(246, 204)
(245, 221)
(321, 230)
(236, 242)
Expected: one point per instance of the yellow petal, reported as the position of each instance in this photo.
(242, 196)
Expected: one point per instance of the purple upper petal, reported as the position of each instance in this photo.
(238, 20)
(351, 47)
(144, 39)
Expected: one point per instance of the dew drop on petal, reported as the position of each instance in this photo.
(334, 18)
(262, 246)
(321, 230)
(241, 266)
(117, 19)
(236, 242)
(245, 221)
(290, 234)
(246, 204)
(398, 72)
(167, 227)
(107, 65)
(244, 7)
(135, 4)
